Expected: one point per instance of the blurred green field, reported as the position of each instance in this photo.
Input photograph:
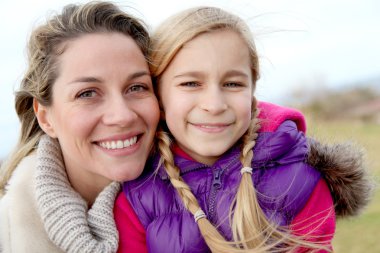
(359, 234)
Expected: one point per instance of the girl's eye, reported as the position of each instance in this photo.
(233, 84)
(189, 84)
(87, 94)
(137, 88)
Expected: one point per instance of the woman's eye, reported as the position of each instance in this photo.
(87, 94)
(137, 88)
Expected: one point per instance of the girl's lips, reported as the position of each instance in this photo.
(211, 128)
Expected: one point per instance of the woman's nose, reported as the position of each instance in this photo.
(118, 112)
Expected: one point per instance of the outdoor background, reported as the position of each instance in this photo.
(319, 56)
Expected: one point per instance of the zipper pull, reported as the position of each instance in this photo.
(217, 182)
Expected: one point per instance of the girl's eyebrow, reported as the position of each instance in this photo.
(234, 73)
(189, 74)
(230, 73)
(93, 79)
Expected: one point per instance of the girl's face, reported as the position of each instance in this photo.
(206, 94)
(104, 111)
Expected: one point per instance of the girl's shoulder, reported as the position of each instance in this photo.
(285, 144)
(272, 116)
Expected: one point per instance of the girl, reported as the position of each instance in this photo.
(221, 182)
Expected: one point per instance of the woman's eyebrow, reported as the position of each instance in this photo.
(138, 74)
(93, 79)
(86, 79)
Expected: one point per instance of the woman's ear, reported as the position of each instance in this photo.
(42, 115)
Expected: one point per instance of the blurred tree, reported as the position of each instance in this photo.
(331, 104)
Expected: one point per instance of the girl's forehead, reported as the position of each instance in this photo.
(211, 45)
(219, 33)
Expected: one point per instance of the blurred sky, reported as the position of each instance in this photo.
(300, 43)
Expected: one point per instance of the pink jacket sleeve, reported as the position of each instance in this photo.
(272, 116)
(131, 231)
(316, 220)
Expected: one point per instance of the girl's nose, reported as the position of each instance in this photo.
(213, 100)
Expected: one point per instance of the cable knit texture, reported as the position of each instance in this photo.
(68, 222)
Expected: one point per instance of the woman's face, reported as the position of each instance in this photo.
(104, 111)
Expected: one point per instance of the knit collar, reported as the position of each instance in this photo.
(67, 220)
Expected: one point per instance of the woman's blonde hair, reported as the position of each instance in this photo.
(252, 232)
(44, 49)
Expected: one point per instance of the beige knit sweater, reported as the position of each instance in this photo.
(41, 212)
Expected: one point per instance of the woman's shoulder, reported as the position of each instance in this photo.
(20, 185)
(19, 215)
(23, 172)
(19, 191)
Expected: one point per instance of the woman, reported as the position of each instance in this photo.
(88, 117)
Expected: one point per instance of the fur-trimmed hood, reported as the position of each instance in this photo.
(344, 169)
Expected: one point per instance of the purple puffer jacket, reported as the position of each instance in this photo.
(280, 174)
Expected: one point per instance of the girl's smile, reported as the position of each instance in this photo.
(211, 128)
(207, 103)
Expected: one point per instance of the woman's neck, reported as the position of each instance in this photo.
(88, 187)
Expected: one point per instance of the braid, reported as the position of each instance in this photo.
(248, 221)
(213, 238)
(173, 172)
(249, 139)
(250, 227)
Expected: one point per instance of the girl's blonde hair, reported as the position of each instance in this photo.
(252, 232)
(44, 49)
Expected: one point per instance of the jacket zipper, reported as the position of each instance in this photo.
(216, 185)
